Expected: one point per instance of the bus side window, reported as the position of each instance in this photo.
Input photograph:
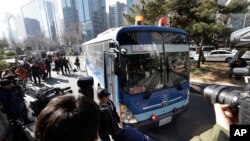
(116, 66)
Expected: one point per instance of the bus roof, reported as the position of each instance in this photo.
(111, 34)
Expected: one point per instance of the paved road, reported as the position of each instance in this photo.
(196, 119)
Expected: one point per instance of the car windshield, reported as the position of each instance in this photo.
(154, 66)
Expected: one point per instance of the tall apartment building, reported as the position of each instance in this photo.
(15, 28)
(70, 14)
(89, 14)
(116, 11)
(40, 19)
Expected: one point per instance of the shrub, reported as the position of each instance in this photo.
(1, 51)
(1, 56)
(19, 51)
(11, 53)
(3, 65)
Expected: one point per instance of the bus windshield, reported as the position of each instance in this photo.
(154, 64)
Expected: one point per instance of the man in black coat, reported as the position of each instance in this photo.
(12, 99)
(35, 72)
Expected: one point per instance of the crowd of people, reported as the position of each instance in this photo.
(13, 82)
(37, 69)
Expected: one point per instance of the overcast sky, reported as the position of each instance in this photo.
(13, 6)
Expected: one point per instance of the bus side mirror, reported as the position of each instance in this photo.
(116, 66)
(111, 44)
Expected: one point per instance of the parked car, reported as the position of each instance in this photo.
(246, 55)
(192, 52)
(217, 55)
(22, 57)
(207, 49)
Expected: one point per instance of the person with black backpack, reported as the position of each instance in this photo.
(110, 122)
(109, 116)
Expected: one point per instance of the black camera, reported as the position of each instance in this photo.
(238, 101)
(44, 95)
(11, 79)
(85, 85)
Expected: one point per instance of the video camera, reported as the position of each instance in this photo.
(85, 85)
(239, 101)
(44, 95)
(240, 40)
(13, 79)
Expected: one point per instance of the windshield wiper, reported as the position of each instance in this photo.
(151, 86)
(156, 77)
(175, 81)
(154, 81)
(172, 76)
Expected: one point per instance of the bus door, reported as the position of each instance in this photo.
(110, 77)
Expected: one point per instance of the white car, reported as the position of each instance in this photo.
(246, 55)
(217, 55)
(192, 52)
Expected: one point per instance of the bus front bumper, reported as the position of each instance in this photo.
(161, 120)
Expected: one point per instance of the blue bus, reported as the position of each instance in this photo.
(146, 70)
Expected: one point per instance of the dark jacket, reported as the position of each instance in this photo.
(109, 120)
(66, 63)
(12, 101)
(113, 109)
(77, 62)
(56, 64)
(35, 70)
(48, 63)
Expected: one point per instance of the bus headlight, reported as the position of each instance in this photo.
(126, 116)
(187, 100)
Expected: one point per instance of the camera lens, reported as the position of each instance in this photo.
(221, 94)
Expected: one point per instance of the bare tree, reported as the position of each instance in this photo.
(3, 43)
(73, 34)
(54, 45)
(38, 43)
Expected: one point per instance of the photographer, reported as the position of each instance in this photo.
(68, 117)
(12, 99)
(220, 131)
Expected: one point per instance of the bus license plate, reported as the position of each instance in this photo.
(165, 121)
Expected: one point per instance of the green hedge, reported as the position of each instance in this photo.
(2, 57)
(3, 65)
(10, 53)
(1, 51)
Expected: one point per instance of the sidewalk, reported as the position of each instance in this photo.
(213, 73)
